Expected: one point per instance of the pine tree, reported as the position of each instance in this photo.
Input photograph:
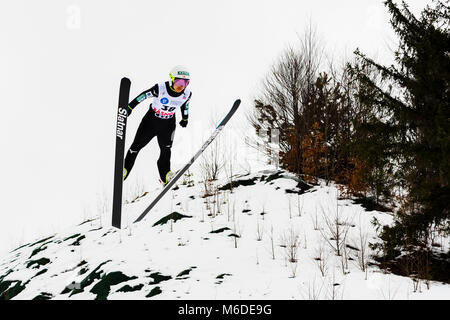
(408, 130)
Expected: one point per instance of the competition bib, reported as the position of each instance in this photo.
(165, 105)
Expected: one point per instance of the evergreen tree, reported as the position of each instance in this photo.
(408, 128)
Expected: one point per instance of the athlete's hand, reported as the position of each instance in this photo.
(183, 123)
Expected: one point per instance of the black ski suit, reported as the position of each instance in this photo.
(151, 126)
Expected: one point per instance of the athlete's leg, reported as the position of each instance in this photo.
(144, 135)
(165, 139)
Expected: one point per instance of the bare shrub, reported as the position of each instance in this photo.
(293, 266)
(229, 167)
(299, 206)
(362, 254)
(259, 230)
(336, 229)
(103, 207)
(286, 93)
(237, 229)
(230, 210)
(237, 232)
(263, 213)
(212, 201)
(335, 289)
(272, 242)
(217, 195)
(188, 179)
(305, 242)
(314, 290)
(203, 215)
(135, 191)
(322, 259)
(290, 207)
(315, 220)
(212, 160)
(290, 241)
(344, 258)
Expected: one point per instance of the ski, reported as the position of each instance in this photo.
(183, 170)
(121, 125)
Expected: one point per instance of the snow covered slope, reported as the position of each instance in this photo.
(267, 239)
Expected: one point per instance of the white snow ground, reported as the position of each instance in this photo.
(184, 260)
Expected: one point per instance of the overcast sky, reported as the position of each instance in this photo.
(61, 63)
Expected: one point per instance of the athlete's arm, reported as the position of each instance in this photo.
(150, 93)
(185, 109)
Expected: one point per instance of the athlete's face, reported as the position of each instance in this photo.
(178, 88)
(180, 84)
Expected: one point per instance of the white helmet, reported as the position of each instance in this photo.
(179, 72)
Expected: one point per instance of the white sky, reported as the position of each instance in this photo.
(61, 63)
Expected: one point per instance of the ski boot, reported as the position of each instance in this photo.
(169, 176)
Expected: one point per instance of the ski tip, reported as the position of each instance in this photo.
(125, 80)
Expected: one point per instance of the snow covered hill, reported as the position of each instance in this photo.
(271, 237)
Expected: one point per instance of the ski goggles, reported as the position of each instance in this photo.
(181, 82)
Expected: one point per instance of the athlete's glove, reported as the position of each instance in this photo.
(183, 123)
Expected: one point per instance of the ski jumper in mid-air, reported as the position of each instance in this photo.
(159, 121)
